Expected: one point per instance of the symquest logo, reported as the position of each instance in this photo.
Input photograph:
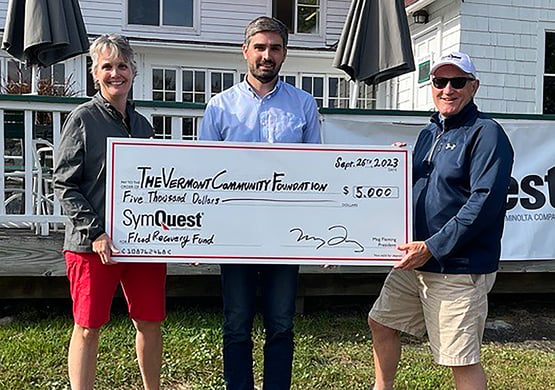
(162, 219)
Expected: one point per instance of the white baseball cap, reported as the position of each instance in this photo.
(460, 60)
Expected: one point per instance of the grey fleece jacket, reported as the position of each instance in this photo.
(80, 166)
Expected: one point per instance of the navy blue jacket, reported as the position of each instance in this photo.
(461, 173)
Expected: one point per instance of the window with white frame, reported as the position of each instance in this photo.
(338, 92)
(190, 128)
(300, 16)
(51, 82)
(161, 13)
(220, 81)
(164, 88)
(189, 85)
(164, 85)
(289, 79)
(19, 78)
(549, 74)
(54, 76)
(315, 86)
(331, 91)
(366, 98)
(335, 91)
(186, 85)
(194, 86)
(162, 126)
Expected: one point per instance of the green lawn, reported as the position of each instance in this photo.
(333, 351)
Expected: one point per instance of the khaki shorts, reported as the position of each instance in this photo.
(451, 309)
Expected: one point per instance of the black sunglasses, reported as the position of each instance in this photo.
(456, 82)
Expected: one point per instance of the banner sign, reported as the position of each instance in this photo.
(214, 202)
(530, 220)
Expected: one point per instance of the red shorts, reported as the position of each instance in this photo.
(93, 284)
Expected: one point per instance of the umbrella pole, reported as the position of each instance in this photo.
(354, 96)
(34, 79)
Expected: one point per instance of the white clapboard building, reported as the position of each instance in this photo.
(189, 50)
(511, 42)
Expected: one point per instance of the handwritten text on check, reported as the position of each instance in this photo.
(211, 202)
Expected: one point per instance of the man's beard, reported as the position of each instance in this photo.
(265, 76)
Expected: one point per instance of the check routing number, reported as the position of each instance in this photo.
(216, 202)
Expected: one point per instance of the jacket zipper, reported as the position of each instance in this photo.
(434, 145)
(127, 129)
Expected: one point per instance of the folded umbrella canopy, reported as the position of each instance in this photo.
(44, 32)
(375, 44)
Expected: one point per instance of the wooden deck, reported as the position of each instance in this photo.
(32, 266)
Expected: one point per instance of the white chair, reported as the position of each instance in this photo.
(43, 189)
(14, 177)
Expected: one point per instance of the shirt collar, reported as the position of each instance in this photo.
(129, 107)
(245, 86)
(467, 114)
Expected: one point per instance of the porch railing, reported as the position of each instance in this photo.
(29, 135)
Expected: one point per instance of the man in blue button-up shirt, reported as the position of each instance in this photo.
(260, 109)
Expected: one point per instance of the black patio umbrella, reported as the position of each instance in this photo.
(44, 32)
(375, 44)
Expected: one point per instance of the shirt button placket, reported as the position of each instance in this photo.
(263, 119)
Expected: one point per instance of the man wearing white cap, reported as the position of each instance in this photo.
(462, 163)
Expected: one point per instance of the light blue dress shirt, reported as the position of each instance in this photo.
(285, 115)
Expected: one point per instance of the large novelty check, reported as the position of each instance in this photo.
(208, 202)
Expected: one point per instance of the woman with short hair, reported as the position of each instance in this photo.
(79, 183)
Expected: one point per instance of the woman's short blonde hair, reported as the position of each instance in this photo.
(119, 48)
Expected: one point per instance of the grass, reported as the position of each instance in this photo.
(333, 351)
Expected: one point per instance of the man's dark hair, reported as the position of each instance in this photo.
(265, 23)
